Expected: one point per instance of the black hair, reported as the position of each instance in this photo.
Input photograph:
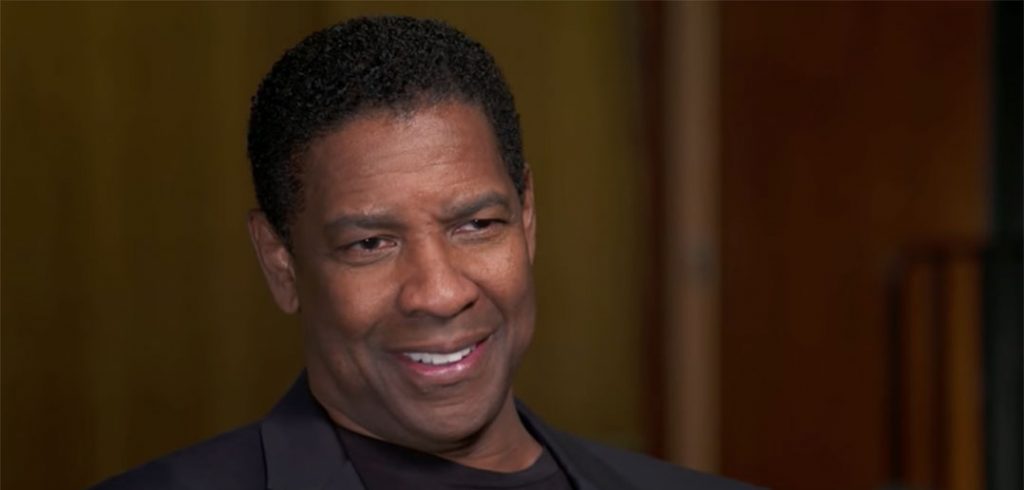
(358, 66)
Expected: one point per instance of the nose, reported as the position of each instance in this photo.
(434, 284)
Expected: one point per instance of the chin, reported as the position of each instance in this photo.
(459, 423)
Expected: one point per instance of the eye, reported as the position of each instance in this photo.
(369, 246)
(371, 243)
(480, 224)
(480, 227)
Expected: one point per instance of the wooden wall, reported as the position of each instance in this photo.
(849, 132)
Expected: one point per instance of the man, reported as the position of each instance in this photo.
(396, 220)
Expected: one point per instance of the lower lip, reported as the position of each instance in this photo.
(448, 373)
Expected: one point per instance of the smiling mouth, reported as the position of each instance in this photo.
(440, 359)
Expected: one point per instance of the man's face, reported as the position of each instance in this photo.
(410, 271)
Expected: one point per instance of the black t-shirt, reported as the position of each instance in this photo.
(385, 466)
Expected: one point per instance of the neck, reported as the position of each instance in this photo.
(503, 446)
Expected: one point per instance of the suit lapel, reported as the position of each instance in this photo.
(301, 448)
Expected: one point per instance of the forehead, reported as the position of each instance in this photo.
(382, 156)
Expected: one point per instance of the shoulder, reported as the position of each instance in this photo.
(230, 461)
(644, 472)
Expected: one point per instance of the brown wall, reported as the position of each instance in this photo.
(134, 318)
(848, 132)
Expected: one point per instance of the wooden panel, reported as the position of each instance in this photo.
(134, 318)
(940, 429)
(691, 278)
(964, 377)
(849, 131)
(920, 414)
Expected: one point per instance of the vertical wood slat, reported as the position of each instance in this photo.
(940, 332)
(652, 87)
(964, 378)
(937, 435)
(692, 196)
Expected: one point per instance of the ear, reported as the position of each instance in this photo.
(529, 215)
(275, 260)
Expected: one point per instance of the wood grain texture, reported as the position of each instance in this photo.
(849, 132)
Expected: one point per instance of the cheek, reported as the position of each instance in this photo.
(527, 315)
(508, 279)
(345, 305)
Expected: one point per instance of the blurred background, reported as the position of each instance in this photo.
(777, 241)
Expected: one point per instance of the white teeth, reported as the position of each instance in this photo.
(439, 359)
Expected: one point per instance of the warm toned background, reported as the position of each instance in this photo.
(722, 192)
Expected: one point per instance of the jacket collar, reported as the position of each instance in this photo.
(302, 451)
(300, 446)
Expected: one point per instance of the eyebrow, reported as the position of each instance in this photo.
(466, 209)
(368, 221)
(455, 212)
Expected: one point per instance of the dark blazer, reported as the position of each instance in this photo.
(296, 448)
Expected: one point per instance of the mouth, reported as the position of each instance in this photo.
(445, 365)
(440, 359)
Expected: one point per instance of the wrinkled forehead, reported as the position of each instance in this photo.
(375, 134)
(399, 116)
(434, 150)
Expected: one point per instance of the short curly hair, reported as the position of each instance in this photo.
(358, 66)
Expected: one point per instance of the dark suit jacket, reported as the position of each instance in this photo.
(296, 448)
